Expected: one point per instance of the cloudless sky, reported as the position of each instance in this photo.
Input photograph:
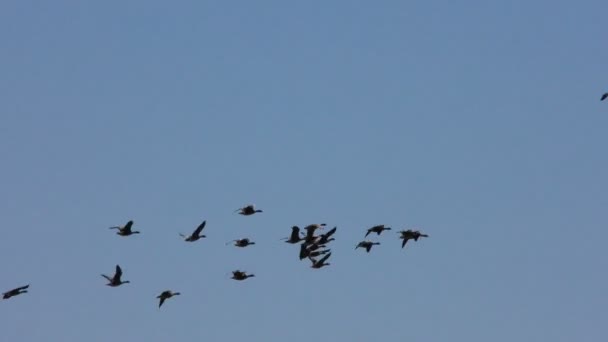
(477, 122)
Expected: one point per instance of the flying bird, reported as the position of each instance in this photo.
(410, 234)
(295, 236)
(196, 234)
(15, 292)
(377, 229)
(310, 231)
(325, 238)
(248, 210)
(367, 245)
(320, 263)
(125, 230)
(166, 295)
(115, 280)
(604, 96)
(239, 275)
(242, 242)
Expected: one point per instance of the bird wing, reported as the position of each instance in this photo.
(199, 229)
(295, 233)
(323, 259)
(108, 278)
(330, 233)
(162, 300)
(22, 287)
(404, 242)
(604, 96)
(118, 273)
(368, 231)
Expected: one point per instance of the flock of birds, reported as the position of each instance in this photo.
(312, 247)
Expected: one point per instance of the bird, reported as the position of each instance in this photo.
(325, 238)
(306, 249)
(318, 253)
(115, 280)
(295, 235)
(242, 242)
(310, 231)
(248, 210)
(367, 245)
(126, 230)
(410, 234)
(377, 229)
(604, 96)
(320, 263)
(196, 234)
(15, 292)
(166, 295)
(240, 275)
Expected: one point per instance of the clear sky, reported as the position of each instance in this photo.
(478, 122)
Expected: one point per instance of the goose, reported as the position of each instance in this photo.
(325, 238)
(126, 230)
(248, 210)
(15, 292)
(410, 234)
(240, 275)
(196, 234)
(306, 249)
(604, 96)
(242, 242)
(310, 231)
(166, 295)
(115, 280)
(320, 263)
(318, 253)
(377, 229)
(367, 245)
(295, 236)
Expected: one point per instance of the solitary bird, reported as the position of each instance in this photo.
(367, 245)
(410, 234)
(320, 263)
(196, 234)
(248, 210)
(295, 236)
(604, 96)
(15, 292)
(126, 230)
(242, 242)
(115, 280)
(377, 229)
(239, 275)
(166, 295)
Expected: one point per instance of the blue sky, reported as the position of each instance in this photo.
(477, 122)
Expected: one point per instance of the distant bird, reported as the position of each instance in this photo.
(196, 234)
(15, 292)
(367, 245)
(320, 263)
(410, 234)
(377, 229)
(325, 238)
(310, 231)
(248, 210)
(126, 230)
(604, 96)
(295, 235)
(239, 275)
(242, 242)
(166, 295)
(115, 280)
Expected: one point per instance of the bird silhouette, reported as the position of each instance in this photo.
(242, 242)
(196, 234)
(248, 210)
(166, 295)
(367, 245)
(410, 234)
(15, 292)
(125, 230)
(240, 275)
(321, 262)
(115, 280)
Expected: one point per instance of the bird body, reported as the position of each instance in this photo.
(240, 275)
(125, 230)
(367, 245)
(409, 235)
(248, 210)
(196, 234)
(115, 280)
(166, 295)
(15, 292)
(377, 229)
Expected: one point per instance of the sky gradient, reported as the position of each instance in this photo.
(477, 122)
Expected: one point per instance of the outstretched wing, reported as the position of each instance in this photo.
(325, 258)
(22, 287)
(330, 233)
(162, 300)
(404, 242)
(368, 231)
(295, 233)
(199, 229)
